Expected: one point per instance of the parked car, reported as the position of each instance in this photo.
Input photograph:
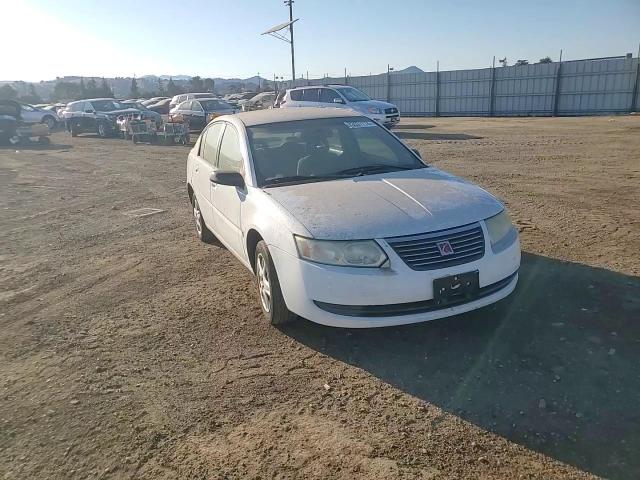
(154, 100)
(9, 119)
(95, 115)
(258, 102)
(146, 112)
(198, 113)
(178, 99)
(342, 96)
(161, 107)
(31, 114)
(343, 224)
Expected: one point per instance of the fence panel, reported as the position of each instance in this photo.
(589, 87)
(577, 87)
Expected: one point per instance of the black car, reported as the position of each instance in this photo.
(199, 112)
(95, 115)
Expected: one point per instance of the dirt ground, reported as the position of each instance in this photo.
(130, 350)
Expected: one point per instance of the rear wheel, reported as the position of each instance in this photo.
(271, 299)
(74, 130)
(204, 234)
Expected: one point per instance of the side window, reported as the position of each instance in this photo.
(196, 106)
(327, 95)
(75, 107)
(209, 147)
(310, 94)
(296, 95)
(185, 106)
(26, 108)
(88, 107)
(230, 158)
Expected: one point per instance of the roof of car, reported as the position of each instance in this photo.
(93, 100)
(333, 85)
(275, 115)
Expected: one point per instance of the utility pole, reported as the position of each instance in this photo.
(289, 3)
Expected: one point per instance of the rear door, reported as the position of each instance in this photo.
(226, 201)
(202, 170)
(310, 97)
(197, 114)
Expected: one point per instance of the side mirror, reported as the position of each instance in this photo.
(231, 179)
(415, 150)
(338, 100)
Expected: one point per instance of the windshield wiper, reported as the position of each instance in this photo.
(373, 168)
(293, 179)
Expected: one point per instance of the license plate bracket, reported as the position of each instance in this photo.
(456, 288)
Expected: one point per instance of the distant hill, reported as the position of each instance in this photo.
(121, 86)
(411, 69)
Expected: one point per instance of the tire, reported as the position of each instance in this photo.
(74, 130)
(134, 138)
(50, 122)
(203, 232)
(44, 140)
(102, 130)
(269, 293)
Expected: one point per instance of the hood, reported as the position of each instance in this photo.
(371, 103)
(386, 205)
(124, 111)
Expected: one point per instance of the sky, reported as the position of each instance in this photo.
(215, 38)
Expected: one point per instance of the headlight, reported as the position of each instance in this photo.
(373, 110)
(350, 253)
(499, 227)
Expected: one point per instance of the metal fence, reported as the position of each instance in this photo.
(577, 87)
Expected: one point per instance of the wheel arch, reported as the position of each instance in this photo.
(253, 237)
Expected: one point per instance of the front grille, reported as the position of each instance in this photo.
(391, 110)
(421, 252)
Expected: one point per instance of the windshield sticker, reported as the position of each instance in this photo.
(364, 124)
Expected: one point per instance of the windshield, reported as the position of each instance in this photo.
(215, 105)
(353, 94)
(137, 105)
(325, 149)
(106, 105)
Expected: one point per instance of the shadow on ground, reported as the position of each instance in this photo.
(35, 146)
(434, 136)
(554, 367)
(413, 126)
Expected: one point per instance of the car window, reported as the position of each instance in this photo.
(230, 158)
(27, 108)
(88, 107)
(296, 95)
(196, 106)
(310, 94)
(185, 105)
(209, 144)
(327, 95)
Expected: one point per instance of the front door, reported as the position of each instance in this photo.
(225, 200)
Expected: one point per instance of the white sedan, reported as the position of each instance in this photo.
(343, 224)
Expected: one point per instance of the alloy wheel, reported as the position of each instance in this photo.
(264, 285)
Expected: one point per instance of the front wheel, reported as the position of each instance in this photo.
(102, 130)
(50, 122)
(271, 299)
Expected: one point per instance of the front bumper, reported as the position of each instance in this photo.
(387, 120)
(376, 297)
